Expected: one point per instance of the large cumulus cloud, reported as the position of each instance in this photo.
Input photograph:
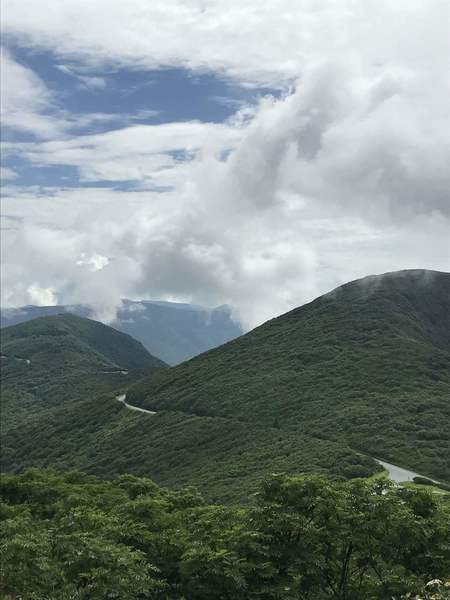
(342, 175)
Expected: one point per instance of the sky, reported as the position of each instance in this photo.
(256, 154)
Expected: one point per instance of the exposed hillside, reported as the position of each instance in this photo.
(368, 363)
(171, 331)
(49, 361)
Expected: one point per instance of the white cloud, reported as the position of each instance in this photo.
(94, 263)
(139, 152)
(161, 246)
(323, 185)
(89, 81)
(25, 99)
(28, 105)
(345, 175)
(256, 41)
(7, 173)
(42, 296)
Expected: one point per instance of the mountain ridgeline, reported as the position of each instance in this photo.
(172, 331)
(54, 361)
(75, 341)
(368, 363)
(357, 374)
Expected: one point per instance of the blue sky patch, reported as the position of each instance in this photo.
(99, 101)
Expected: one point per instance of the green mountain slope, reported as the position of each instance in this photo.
(363, 371)
(224, 458)
(50, 361)
(61, 411)
(69, 340)
(368, 364)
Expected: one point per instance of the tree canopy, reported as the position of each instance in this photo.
(73, 536)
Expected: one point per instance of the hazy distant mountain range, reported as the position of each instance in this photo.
(171, 331)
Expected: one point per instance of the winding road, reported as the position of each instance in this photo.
(122, 397)
(117, 372)
(398, 474)
(27, 361)
(395, 473)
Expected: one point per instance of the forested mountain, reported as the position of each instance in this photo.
(172, 331)
(368, 363)
(53, 361)
(61, 410)
(224, 458)
(360, 372)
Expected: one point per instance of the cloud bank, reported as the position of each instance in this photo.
(344, 173)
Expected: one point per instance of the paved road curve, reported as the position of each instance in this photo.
(398, 474)
(122, 397)
(27, 361)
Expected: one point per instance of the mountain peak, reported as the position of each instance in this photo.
(362, 362)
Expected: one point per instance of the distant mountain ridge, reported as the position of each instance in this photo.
(174, 332)
(55, 361)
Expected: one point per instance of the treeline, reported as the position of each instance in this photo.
(71, 536)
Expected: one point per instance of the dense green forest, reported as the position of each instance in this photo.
(224, 458)
(56, 361)
(367, 364)
(71, 340)
(60, 410)
(253, 406)
(71, 536)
